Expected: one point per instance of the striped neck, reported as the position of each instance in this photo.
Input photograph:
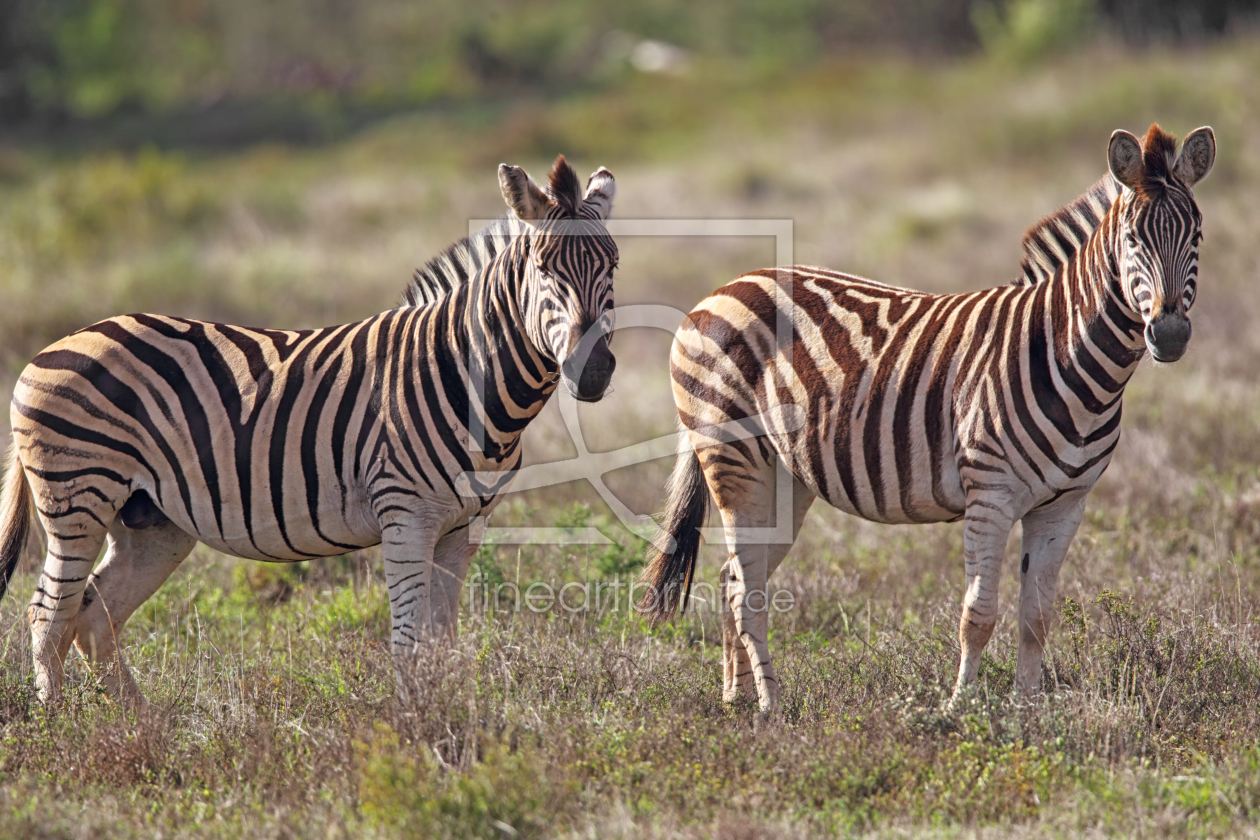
(1102, 323)
(506, 378)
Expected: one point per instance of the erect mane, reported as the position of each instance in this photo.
(1056, 239)
(460, 262)
(1159, 150)
(564, 188)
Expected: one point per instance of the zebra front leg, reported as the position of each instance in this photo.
(1048, 532)
(407, 543)
(984, 545)
(451, 558)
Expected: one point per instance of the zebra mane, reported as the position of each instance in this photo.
(1054, 241)
(460, 262)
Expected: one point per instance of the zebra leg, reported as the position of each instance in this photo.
(736, 672)
(984, 546)
(751, 503)
(451, 558)
(408, 543)
(54, 608)
(749, 603)
(136, 563)
(1048, 532)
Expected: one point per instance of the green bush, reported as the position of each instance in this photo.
(102, 202)
(1026, 31)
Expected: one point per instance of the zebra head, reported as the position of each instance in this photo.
(1160, 229)
(568, 283)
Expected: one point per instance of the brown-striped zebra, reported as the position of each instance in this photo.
(993, 406)
(147, 433)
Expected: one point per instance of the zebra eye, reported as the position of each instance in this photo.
(1130, 240)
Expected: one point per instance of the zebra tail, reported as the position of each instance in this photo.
(15, 518)
(672, 560)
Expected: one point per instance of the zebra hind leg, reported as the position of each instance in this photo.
(737, 676)
(749, 505)
(136, 563)
(54, 608)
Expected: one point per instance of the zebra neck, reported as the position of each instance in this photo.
(508, 379)
(1105, 333)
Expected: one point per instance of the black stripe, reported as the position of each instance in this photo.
(346, 405)
(310, 443)
(403, 395)
(293, 381)
(194, 414)
(1039, 348)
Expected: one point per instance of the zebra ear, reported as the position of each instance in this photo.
(601, 189)
(1198, 153)
(526, 201)
(1124, 159)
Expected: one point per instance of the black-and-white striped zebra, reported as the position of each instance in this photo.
(148, 433)
(994, 406)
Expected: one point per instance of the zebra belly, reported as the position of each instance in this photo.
(248, 552)
(275, 514)
(877, 477)
(914, 504)
(293, 540)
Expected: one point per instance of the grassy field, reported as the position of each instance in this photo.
(275, 712)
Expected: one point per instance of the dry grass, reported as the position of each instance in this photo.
(275, 712)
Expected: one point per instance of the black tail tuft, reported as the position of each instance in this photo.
(673, 560)
(15, 519)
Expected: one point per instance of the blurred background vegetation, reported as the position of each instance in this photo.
(76, 59)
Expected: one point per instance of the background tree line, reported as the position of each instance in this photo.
(84, 58)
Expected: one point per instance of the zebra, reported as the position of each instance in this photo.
(990, 407)
(147, 433)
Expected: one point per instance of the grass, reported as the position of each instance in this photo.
(275, 709)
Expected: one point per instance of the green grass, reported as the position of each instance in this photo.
(275, 710)
(275, 705)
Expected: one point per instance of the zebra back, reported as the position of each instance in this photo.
(1055, 240)
(460, 262)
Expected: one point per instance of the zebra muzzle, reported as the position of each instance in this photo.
(1167, 337)
(588, 371)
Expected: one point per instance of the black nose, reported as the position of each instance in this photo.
(1167, 337)
(589, 369)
